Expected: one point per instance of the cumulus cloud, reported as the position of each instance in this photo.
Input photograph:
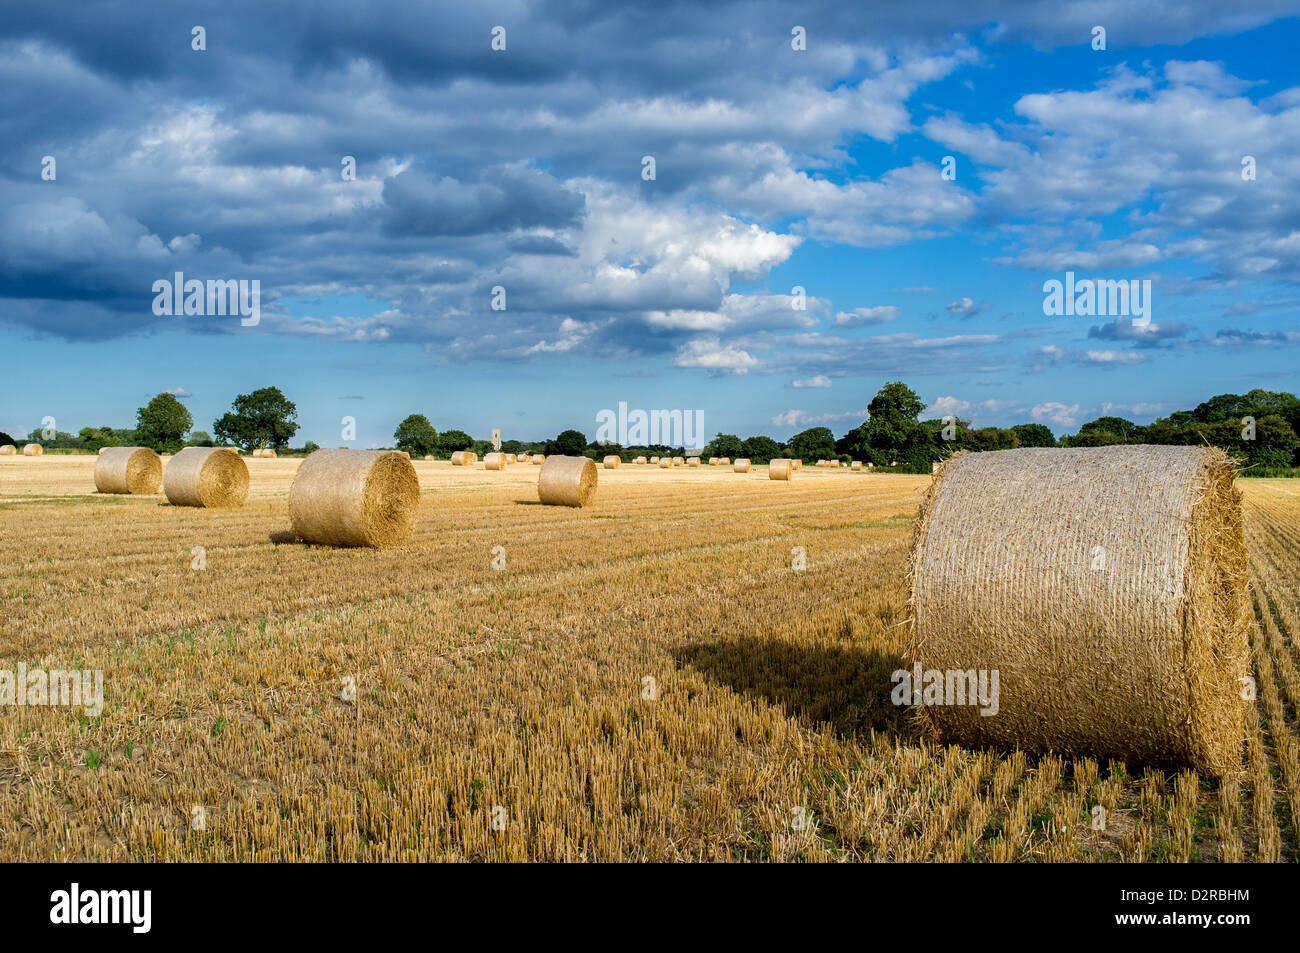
(178, 392)
(820, 380)
(965, 308)
(1062, 415)
(718, 359)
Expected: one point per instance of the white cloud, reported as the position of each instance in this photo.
(178, 392)
(717, 358)
(1060, 414)
(863, 317)
(820, 380)
(965, 308)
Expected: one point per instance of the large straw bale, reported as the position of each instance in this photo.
(654, 459)
(136, 470)
(639, 460)
(724, 461)
(461, 458)
(354, 498)
(780, 469)
(33, 450)
(494, 461)
(1105, 586)
(8, 450)
(797, 464)
(612, 462)
(665, 463)
(511, 458)
(692, 461)
(538, 459)
(855, 465)
(741, 466)
(567, 481)
(206, 476)
(679, 461)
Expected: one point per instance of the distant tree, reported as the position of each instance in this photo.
(854, 443)
(199, 439)
(570, 443)
(310, 447)
(816, 443)
(724, 445)
(92, 438)
(5, 439)
(893, 433)
(453, 440)
(1034, 435)
(264, 418)
(416, 436)
(761, 449)
(1100, 431)
(163, 423)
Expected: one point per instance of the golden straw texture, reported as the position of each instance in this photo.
(1106, 587)
(354, 498)
(206, 476)
(136, 470)
(780, 469)
(567, 481)
(494, 461)
(8, 450)
(741, 465)
(612, 462)
(33, 450)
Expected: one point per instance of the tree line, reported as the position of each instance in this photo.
(1259, 428)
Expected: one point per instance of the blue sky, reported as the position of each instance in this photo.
(522, 169)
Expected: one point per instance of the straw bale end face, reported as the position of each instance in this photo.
(33, 450)
(567, 481)
(494, 461)
(355, 498)
(134, 470)
(1105, 587)
(612, 462)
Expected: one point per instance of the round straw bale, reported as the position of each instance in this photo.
(797, 464)
(612, 462)
(679, 461)
(780, 469)
(33, 450)
(654, 459)
(742, 465)
(206, 476)
(354, 498)
(522, 458)
(511, 458)
(724, 461)
(855, 465)
(567, 481)
(665, 463)
(713, 461)
(428, 456)
(1106, 587)
(460, 458)
(537, 459)
(693, 461)
(639, 460)
(98, 453)
(128, 470)
(8, 450)
(494, 461)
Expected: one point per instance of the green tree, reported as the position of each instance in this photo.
(761, 449)
(163, 423)
(893, 433)
(570, 443)
(5, 439)
(92, 438)
(264, 418)
(416, 436)
(725, 445)
(453, 440)
(1034, 435)
(199, 439)
(815, 443)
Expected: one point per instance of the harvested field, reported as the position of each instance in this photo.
(596, 694)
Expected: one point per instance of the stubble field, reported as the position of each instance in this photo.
(646, 679)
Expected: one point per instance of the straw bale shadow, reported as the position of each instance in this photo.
(845, 688)
(283, 537)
